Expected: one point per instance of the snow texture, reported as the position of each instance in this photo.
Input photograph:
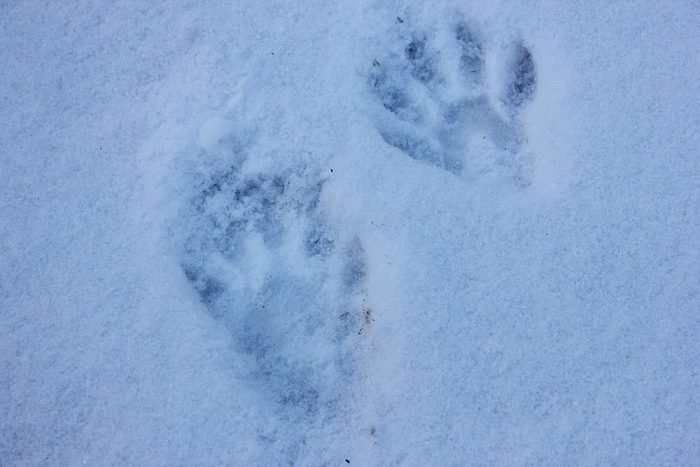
(350, 233)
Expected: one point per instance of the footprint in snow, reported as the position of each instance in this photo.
(269, 268)
(436, 106)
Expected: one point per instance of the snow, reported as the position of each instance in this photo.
(375, 233)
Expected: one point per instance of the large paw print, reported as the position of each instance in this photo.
(436, 105)
(269, 268)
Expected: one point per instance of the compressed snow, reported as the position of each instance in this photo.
(367, 233)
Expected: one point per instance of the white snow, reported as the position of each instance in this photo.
(375, 233)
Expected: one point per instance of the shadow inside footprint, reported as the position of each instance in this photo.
(471, 53)
(522, 80)
(422, 61)
(420, 149)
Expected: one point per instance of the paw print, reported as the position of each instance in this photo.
(264, 262)
(435, 105)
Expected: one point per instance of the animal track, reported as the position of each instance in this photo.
(267, 266)
(436, 106)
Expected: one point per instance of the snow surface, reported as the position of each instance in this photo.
(365, 233)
